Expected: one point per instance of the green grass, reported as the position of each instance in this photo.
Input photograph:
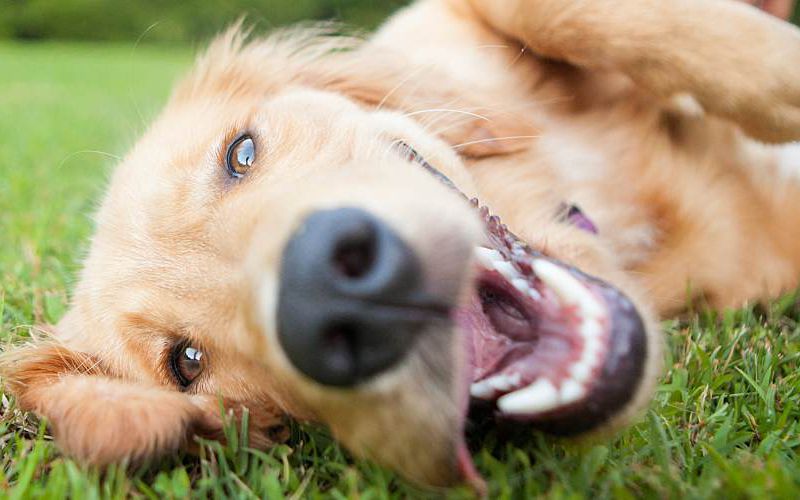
(723, 425)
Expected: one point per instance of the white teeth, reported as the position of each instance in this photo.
(487, 388)
(591, 354)
(567, 288)
(505, 382)
(521, 285)
(572, 391)
(580, 371)
(506, 269)
(539, 397)
(487, 256)
(543, 395)
(492, 259)
(591, 347)
(481, 390)
(591, 329)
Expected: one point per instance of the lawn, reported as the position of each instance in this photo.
(723, 424)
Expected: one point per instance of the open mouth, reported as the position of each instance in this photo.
(551, 347)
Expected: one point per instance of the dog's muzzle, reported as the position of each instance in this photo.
(351, 299)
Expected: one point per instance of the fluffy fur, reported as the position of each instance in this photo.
(651, 115)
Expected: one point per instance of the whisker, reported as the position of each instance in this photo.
(88, 151)
(144, 33)
(133, 51)
(446, 128)
(492, 46)
(397, 87)
(445, 110)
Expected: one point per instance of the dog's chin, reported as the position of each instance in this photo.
(548, 347)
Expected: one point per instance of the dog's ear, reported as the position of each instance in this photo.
(95, 417)
(99, 418)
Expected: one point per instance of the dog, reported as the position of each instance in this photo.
(485, 204)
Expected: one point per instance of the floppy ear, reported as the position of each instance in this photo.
(95, 417)
(101, 419)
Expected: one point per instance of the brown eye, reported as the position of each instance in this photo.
(187, 363)
(241, 155)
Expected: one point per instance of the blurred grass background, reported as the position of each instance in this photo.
(170, 21)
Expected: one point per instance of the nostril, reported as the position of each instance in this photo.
(354, 256)
(349, 287)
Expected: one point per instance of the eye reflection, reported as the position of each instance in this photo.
(187, 364)
(241, 156)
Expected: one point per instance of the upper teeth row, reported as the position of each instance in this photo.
(569, 290)
(542, 395)
(492, 259)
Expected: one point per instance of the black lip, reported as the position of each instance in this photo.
(613, 389)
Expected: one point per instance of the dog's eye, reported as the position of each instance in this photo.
(410, 154)
(241, 155)
(186, 363)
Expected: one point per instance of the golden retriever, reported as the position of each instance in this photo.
(487, 204)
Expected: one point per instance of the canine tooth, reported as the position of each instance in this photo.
(572, 391)
(536, 398)
(535, 295)
(521, 285)
(567, 288)
(580, 371)
(481, 390)
(487, 256)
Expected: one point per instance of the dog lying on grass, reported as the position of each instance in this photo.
(486, 206)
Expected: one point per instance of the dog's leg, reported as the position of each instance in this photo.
(737, 61)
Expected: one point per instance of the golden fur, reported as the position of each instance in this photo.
(646, 113)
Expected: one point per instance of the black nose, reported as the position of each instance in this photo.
(351, 298)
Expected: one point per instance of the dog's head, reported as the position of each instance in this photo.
(279, 242)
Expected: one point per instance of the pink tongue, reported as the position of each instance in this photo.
(551, 349)
(488, 348)
(467, 468)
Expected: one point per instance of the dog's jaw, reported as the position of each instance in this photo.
(550, 345)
